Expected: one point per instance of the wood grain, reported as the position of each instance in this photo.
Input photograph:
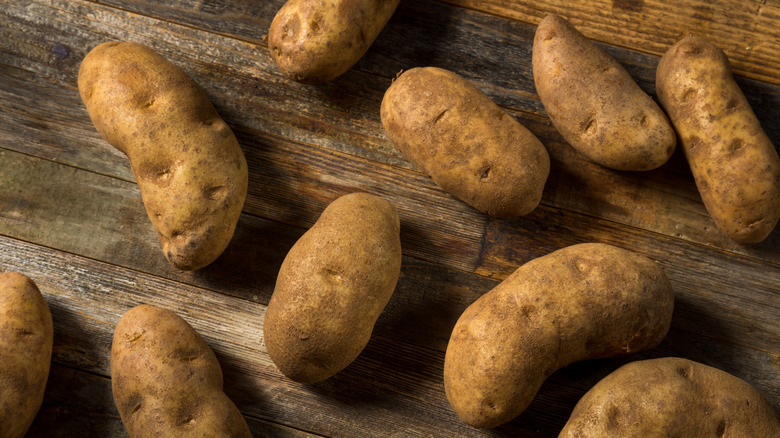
(72, 218)
(747, 30)
(58, 217)
(309, 118)
(81, 404)
(391, 386)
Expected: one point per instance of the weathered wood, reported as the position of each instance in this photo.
(72, 218)
(392, 386)
(746, 30)
(408, 395)
(305, 119)
(93, 215)
(81, 404)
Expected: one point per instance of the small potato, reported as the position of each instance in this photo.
(672, 397)
(314, 41)
(188, 164)
(586, 301)
(469, 146)
(26, 337)
(735, 165)
(332, 286)
(167, 381)
(595, 104)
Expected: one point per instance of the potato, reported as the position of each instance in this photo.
(314, 41)
(735, 165)
(167, 381)
(585, 301)
(469, 146)
(672, 397)
(26, 337)
(188, 164)
(332, 286)
(595, 104)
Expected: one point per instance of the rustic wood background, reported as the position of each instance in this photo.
(71, 215)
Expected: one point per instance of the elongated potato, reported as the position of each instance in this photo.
(586, 301)
(187, 162)
(26, 337)
(595, 104)
(166, 380)
(314, 41)
(735, 165)
(469, 146)
(331, 288)
(672, 397)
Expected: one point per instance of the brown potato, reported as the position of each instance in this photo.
(167, 381)
(672, 397)
(469, 146)
(188, 164)
(595, 104)
(314, 41)
(26, 338)
(332, 287)
(586, 301)
(735, 165)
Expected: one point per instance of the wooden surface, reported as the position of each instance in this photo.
(71, 215)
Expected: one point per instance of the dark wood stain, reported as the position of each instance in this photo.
(71, 216)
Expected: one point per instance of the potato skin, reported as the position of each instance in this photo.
(672, 397)
(332, 286)
(315, 41)
(187, 162)
(469, 146)
(595, 104)
(585, 301)
(735, 165)
(167, 381)
(26, 338)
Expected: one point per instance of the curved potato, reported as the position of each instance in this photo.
(595, 104)
(332, 287)
(187, 162)
(469, 146)
(167, 381)
(314, 41)
(26, 338)
(672, 397)
(735, 165)
(586, 301)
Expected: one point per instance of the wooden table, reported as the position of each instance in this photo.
(71, 215)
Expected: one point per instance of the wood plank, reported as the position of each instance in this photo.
(279, 116)
(77, 403)
(392, 386)
(718, 295)
(747, 31)
(71, 216)
(355, 403)
(727, 294)
(430, 299)
(103, 218)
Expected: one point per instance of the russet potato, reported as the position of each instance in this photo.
(332, 286)
(26, 340)
(595, 103)
(187, 162)
(586, 301)
(734, 163)
(314, 41)
(672, 397)
(167, 381)
(466, 143)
